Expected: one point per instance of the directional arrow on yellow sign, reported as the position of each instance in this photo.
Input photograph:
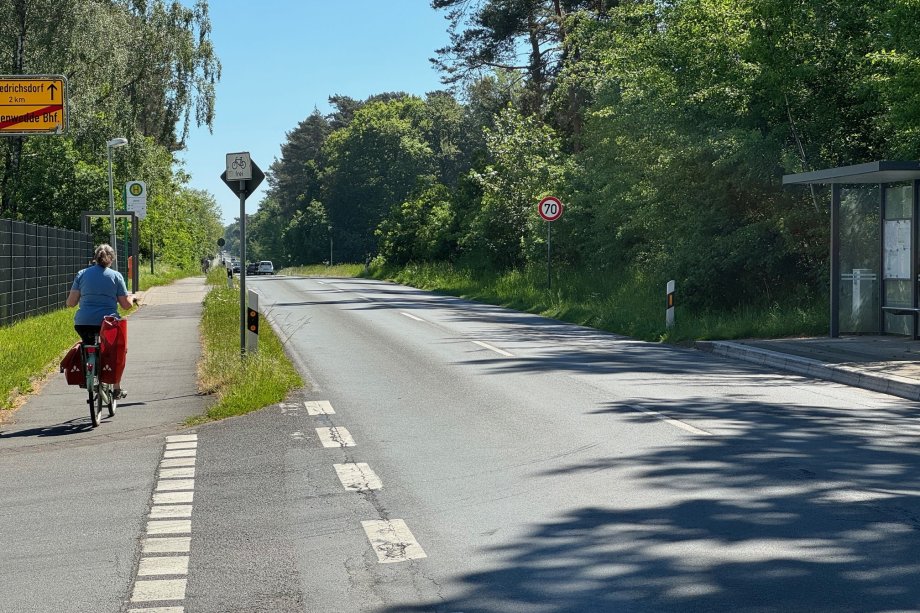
(33, 104)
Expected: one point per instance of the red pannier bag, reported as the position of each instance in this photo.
(113, 348)
(72, 367)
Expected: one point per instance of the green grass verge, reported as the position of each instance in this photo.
(629, 305)
(164, 275)
(241, 386)
(320, 270)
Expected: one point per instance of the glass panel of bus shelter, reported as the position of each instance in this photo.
(896, 250)
(860, 210)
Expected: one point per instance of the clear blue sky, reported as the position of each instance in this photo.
(283, 58)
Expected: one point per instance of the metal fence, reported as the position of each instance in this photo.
(37, 267)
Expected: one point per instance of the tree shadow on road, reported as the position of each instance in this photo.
(789, 508)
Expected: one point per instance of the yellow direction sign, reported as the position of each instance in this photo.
(33, 104)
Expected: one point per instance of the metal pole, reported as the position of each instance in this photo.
(549, 249)
(242, 268)
(108, 149)
(330, 246)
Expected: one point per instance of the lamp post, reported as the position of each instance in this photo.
(109, 145)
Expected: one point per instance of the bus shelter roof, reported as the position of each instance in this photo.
(872, 172)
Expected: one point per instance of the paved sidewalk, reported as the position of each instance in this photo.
(161, 378)
(887, 364)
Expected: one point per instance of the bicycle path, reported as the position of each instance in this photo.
(75, 499)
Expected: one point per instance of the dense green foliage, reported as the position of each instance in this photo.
(665, 127)
(153, 76)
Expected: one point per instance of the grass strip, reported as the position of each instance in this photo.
(164, 275)
(321, 270)
(629, 305)
(240, 385)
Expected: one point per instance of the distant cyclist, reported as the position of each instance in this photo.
(99, 291)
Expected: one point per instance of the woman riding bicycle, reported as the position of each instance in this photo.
(99, 291)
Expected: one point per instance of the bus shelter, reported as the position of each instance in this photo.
(134, 276)
(875, 259)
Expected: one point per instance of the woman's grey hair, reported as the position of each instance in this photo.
(104, 255)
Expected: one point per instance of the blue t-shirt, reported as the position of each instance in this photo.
(99, 289)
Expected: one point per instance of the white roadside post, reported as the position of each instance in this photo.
(669, 313)
(252, 324)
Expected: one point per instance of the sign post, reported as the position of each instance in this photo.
(33, 104)
(550, 209)
(242, 176)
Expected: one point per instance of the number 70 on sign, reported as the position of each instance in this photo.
(550, 208)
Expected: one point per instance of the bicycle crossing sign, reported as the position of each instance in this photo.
(239, 166)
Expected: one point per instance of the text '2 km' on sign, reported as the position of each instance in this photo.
(33, 104)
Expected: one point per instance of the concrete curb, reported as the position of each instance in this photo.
(838, 373)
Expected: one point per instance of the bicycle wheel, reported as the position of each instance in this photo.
(93, 402)
(112, 401)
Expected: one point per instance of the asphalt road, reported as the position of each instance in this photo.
(544, 467)
(454, 457)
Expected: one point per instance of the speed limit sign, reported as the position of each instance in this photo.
(550, 208)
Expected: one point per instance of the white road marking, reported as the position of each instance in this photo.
(164, 511)
(158, 610)
(176, 544)
(182, 445)
(173, 497)
(392, 541)
(411, 316)
(169, 565)
(318, 407)
(159, 589)
(321, 282)
(169, 526)
(358, 477)
(173, 462)
(175, 485)
(495, 349)
(181, 438)
(187, 472)
(674, 422)
(335, 437)
(297, 436)
(179, 453)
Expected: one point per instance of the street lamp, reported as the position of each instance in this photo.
(109, 145)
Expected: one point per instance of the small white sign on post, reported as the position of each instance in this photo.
(239, 166)
(136, 198)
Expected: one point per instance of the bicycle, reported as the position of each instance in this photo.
(99, 393)
(239, 163)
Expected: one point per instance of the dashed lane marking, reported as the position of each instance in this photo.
(165, 511)
(173, 485)
(158, 589)
(411, 316)
(358, 477)
(335, 437)
(185, 472)
(319, 407)
(174, 462)
(495, 349)
(183, 445)
(392, 541)
(173, 497)
(169, 526)
(674, 422)
(175, 544)
(171, 565)
(156, 580)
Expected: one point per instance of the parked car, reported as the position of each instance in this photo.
(252, 268)
(236, 265)
(265, 268)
